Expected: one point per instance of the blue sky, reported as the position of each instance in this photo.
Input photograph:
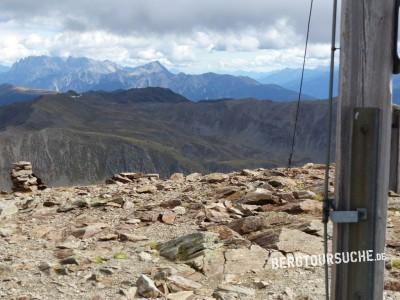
(187, 35)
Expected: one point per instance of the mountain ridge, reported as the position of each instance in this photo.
(14, 94)
(96, 134)
(84, 74)
(316, 81)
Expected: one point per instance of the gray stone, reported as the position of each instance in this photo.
(394, 203)
(311, 206)
(259, 196)
(216, 212)
(7, 208)
(250, 173)
(130, 293)
(88, 231)
(305, 195)
(45, 267)
(146, 189)
(177, 177)
(189, 246)
(147, 288)
(184, 295)
(242, 260)
(178, 283)
(179, 210)
(280, 182)
(215, 177)
(220, 295)
(210, 263)
(292, 240)
(69, 261)
(144, 256)
(193, 177)
(248, 224)
(236, 289)
(124, 237)
(6, 231)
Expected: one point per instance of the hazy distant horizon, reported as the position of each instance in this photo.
(175, 70)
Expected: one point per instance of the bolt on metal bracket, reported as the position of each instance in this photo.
(349, 216)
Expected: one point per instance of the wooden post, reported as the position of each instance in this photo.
(394, 183)
(363, 143)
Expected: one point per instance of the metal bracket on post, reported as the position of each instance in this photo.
(354, 216)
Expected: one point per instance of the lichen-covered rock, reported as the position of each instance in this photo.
(189, 246)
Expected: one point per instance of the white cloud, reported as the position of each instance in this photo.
(161, 16)
(193, 36)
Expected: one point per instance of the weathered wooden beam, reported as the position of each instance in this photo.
(366, 65)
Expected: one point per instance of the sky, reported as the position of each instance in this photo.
(192, 36)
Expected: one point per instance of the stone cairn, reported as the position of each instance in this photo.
(23, 179)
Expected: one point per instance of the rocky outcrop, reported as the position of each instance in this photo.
(130, 177)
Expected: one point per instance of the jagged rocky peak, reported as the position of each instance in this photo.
(64, 64)
(152, 67)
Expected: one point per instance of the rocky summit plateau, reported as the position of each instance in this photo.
(206, 237)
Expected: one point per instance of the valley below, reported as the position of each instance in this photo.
(85, 138)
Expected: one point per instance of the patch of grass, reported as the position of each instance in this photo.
(300, 186)
(152, 245)
(286, 189)
(155, 253)
(97, 260)
(319, 197)
(396, 263)
(120, 255)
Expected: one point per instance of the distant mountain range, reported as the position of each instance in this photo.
(4, 69)
(316, 81)
(84, 138)
(83, 74)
